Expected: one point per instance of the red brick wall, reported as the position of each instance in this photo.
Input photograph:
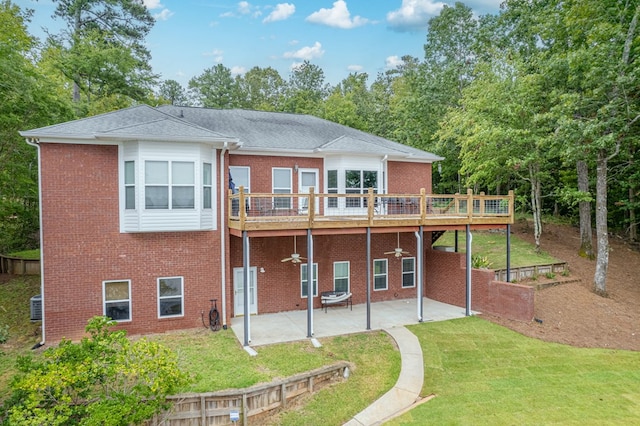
(82, 247)
(279, 285)
(408, 178)
(446, 282)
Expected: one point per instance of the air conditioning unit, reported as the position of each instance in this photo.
(36, 308)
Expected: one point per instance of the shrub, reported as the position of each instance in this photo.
(105, 379)
(4, 333)
(480, 262)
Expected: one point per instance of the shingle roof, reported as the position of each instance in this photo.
(268, 131)
(248, 131)
(141, 121)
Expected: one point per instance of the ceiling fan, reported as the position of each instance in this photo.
(295, 257)
(398, 252)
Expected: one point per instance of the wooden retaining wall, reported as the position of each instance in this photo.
(252, 405)
(524, 272)
(18, 266)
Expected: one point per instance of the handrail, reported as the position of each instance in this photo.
(311, 210)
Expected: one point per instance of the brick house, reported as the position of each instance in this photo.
(140, 221)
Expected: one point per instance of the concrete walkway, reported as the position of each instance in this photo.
(406, 391)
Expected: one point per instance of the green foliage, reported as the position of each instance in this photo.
(4, 333)
(105, 379)
(480, 262)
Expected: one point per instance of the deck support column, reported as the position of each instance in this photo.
(247, 286)
(420, 271)
(455, 247)
(368, 278)
(468, 304)
(309, 283)
(508, 252)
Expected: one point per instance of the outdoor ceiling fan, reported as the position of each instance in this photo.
(295, 257)
(398, 252)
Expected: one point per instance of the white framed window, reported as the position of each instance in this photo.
(332, 187)
(241, 176)
(380, 274)
(116, 296)
(207, 185)
(341, 276)
(359, 182)
(169, 185)
(408, 272)
(304, 278)
(130, 185)
(282, 184)
(170, 297)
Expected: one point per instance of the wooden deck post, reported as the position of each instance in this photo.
(469, 204)
(311, 210)
(423, 205)
(241, 208)
(370, 205)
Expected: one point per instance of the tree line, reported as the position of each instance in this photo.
(541, 98)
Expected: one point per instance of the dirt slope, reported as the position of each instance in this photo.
(571, 313)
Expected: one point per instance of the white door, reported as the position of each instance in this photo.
(238, 291)
(308, 178)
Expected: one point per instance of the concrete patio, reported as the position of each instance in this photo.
(289, 326)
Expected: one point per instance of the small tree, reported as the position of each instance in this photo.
(105, 379)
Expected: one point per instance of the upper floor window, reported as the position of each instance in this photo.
(169, 185)
(130, 185)
(282, 184)
(359, 182)
(332, 187)
(241, 176)
(207, 185)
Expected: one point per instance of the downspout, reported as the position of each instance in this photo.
(34, 142)
(223, 247)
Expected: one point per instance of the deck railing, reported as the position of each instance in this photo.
(262, 211)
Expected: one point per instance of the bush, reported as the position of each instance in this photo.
(105, 379)
(4, 333)
(480, 262)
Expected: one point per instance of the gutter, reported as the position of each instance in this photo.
(223, 247)
(36, 143)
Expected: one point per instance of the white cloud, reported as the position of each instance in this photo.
(244, 8)
(237, 70)
(281, 12)
(217, 55)
(164, 15)
(152, 4)
(306, 53)
(354, 68)
(414, 15)
(393, 62)
(338, 16)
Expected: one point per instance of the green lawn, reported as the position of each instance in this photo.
(493, 245)
(484, 374)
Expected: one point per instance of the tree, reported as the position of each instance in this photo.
(103, 379)
(102, 49)
(215, 88)
(172, 91)
(350, 102)
(261, 89)
(306, 90)
(30, 98)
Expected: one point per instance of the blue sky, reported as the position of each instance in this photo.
(340, 36)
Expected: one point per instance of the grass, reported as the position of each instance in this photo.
(484, 374)
(493, 245)
(217, 361)
(27, 254)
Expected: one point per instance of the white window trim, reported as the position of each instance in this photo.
(167, 297)
(104, 299)
(315, 280)
(274, 187)
(413, 273)
(348, 275)
(207, 185)
(385, 275)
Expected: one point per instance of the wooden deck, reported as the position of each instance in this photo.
(278, 212)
